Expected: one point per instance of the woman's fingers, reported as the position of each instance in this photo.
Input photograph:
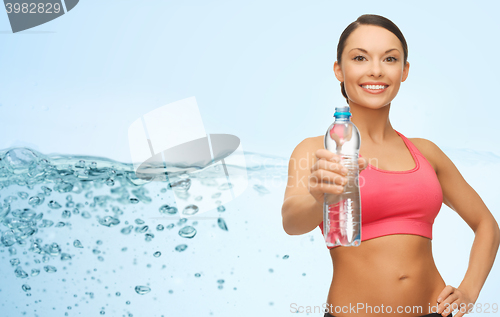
(445, 298)
(329, 166)
(324, 176)
(327, 155)
(324, 155)
(322, 187)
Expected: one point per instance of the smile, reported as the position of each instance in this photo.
(374, 89)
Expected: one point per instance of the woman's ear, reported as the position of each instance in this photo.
(406, 70)
(338, 71)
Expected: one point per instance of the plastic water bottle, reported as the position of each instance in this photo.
(342, 213)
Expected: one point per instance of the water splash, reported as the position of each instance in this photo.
(46, 197)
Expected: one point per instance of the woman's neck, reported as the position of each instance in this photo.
(373, 124)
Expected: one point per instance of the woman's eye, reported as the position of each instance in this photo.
(359, 58)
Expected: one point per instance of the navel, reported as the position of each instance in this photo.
(403, 277)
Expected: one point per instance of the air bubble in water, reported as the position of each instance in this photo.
(142, 290)
(12, 251)
(46, 223)
(54, 204)
(181, 247)
(190, 210)
(181, 186)
(222, 224)
(19, 159)
(4, 210)
(65, 257)
(157, 254)
(77, 244)
(142, 229)
(35, 200)
(127, 230)
(14, 262)
(166, 209)
(20, 273)
(8, 238)
(149, 237)
(23, 195)
(27, 215)
(139, 221)
(187, 232)
(50, 269)
(108, 221)
(134, 200)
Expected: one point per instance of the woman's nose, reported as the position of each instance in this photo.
(376, 70)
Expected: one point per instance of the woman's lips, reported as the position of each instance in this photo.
(374, 91)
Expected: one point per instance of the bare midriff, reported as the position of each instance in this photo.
(393, 271)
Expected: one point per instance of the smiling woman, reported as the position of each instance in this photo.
(392, 272)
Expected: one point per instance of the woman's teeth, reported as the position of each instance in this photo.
(373, 86)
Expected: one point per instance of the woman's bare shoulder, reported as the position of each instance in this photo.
(307, 147)
(315, 142)
(428, 150)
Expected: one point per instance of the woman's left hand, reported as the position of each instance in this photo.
(452, 298)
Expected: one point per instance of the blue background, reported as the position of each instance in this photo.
(261, 70)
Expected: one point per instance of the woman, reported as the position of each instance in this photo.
(392, 272)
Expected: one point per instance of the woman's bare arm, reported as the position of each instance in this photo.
(312, 171)
(463, 199)
(301, 212)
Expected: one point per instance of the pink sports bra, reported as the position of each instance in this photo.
(399, 202)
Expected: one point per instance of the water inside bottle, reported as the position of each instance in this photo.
(344, 219)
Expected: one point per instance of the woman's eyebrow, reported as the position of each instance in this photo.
(363, 50)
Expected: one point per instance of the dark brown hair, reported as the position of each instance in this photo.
(369, 19)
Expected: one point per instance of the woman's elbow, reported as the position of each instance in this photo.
(285, 222)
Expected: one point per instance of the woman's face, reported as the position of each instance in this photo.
(366, 59)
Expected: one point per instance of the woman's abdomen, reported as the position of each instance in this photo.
(388, 276)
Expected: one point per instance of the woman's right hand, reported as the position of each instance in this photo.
(329, 176)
